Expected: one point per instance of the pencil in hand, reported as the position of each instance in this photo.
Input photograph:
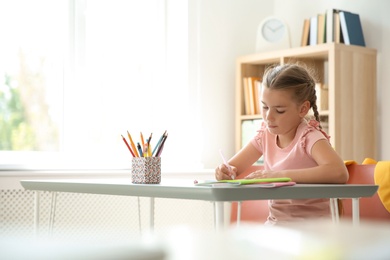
(227, 164)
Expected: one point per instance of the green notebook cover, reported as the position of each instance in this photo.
(252, 181)
(246, 181)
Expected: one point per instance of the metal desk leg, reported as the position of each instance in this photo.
(355, 211)
(219, 215)
(238, 213)
(334, 209)
(151, 225)
(36, 213)
(139, 216)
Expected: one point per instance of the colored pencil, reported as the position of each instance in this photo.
(132, 144)
(140, 150)
(158, 143)
(142, 139)
(128, 146)
(149, 151)
(159, 150)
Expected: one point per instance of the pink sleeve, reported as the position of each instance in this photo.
(313, 137)
(312, 134)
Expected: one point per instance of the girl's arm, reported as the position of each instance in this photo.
(330, 169)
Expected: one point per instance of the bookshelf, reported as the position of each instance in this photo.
(349, 74)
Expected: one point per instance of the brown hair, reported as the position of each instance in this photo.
(295, 78)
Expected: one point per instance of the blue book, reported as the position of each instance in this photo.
(351, 29)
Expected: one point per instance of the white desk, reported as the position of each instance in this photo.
(184, 189)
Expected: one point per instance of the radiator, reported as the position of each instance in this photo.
(90, 216)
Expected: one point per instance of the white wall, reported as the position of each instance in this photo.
(222, 30)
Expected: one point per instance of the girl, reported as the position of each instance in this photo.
(290, 145)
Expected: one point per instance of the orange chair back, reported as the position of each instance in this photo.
(370, 208)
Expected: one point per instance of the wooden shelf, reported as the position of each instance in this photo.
(350, 75)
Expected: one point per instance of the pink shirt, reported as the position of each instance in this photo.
(295, 156)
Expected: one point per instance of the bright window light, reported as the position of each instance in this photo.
(78, 74)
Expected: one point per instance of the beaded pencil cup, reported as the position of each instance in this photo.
(146, 170)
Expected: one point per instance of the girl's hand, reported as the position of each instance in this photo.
(261, 174)
(222, 172)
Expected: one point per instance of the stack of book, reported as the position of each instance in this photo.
(251, 93)
(333, 26)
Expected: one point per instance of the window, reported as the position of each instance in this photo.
(78, 74)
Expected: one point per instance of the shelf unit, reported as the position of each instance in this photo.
(349, 72)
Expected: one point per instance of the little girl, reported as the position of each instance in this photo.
(290, 145)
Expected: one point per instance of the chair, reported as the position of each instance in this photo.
(370, 208)
(252, 210)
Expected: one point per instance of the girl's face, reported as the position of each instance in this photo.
(280, 112)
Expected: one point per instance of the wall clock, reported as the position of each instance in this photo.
(272, 34)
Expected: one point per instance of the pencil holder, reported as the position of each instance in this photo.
(146, 170)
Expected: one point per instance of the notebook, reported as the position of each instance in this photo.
(266, 182)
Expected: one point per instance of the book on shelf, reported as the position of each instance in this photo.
(245, 85)
(321, 32)
(256, 85)
(338, 36)
(351, 28)
(329, 21)
(332, 20)
(305, 32)
(313, 30)
(251, 95)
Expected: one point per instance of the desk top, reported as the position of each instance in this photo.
(185, 189)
